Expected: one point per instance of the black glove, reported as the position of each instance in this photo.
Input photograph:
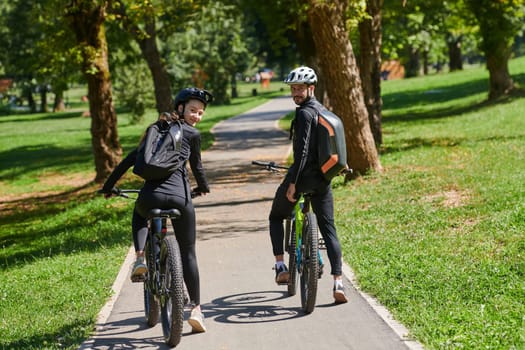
(109, 192)
(197, 191)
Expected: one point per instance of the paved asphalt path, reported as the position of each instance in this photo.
(244, 308)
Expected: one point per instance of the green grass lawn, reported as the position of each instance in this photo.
(438, 237)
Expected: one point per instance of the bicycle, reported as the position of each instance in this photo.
(164, 292)
(302, 243)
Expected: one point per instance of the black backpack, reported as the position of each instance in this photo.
(159, 153)
(331, 143)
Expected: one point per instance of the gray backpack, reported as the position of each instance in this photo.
(331, 143)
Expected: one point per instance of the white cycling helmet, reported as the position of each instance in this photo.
(301, 75)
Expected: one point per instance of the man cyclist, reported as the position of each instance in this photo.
(173, 192)
(303, 176)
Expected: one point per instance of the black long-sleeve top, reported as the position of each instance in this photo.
(304, 171)
(178, 182)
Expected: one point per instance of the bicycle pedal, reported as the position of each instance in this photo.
(138, 279)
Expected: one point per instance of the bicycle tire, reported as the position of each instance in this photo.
(309, 263)
(172, 294)
(151, 304)
(292, 254)
(287, 232)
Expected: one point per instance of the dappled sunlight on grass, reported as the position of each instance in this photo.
(438, 237)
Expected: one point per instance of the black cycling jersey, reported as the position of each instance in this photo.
(178, 183)
(305, 172)
(307, 177)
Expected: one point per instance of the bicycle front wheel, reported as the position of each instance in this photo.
(292, 254)
(172, 300)
(309, 263)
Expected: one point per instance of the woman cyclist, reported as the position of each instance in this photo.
(173, 192)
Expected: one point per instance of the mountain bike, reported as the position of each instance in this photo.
(164, 292)
(302, 243)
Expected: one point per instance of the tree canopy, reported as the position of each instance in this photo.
(211, 44)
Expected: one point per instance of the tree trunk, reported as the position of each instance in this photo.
(425, 62)
(454, 52)
(59, 103)
(30, 100)
(43, 99)
(306, 47)
(87, 22)
(498, 28)
(338, 64)
(500, 81)
(147, 41)
(161, 80)
(499, 78)
(233, 82)
(413, 65)
(370, 67)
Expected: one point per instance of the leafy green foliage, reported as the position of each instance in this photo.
(271, 26)
(499, 21)
(30, 55)
(134, 89)
(211, 51)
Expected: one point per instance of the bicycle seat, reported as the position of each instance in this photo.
(164, 213)
(305, 195)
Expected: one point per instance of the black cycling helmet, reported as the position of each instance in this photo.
(187, 94)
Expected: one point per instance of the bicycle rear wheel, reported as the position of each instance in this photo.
(172, 286)
(309, 263)
(292, 254)
(287, 232)
(151, 304)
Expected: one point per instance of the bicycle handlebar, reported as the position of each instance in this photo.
(124, 192)
(271, 166)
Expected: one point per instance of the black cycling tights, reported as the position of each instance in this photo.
(323, 207)
(184, 231)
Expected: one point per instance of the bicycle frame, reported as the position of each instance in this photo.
(164, 283)
(300, 209)
(305, 258)
(157, 230)
(301, 241)
(164, 293)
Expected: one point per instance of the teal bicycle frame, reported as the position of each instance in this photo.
(305, 257)
(297, 220)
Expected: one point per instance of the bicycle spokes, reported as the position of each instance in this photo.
(309, 263)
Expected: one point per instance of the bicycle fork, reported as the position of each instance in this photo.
(297, 226)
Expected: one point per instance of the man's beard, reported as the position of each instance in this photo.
(298, 99)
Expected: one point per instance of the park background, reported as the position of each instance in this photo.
(433, 225)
